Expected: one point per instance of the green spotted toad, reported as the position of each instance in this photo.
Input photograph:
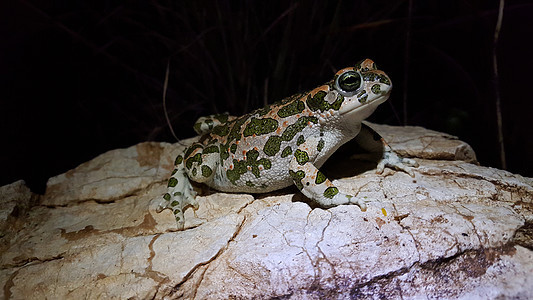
(285, 143)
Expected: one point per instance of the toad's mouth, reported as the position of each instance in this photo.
(370, 105)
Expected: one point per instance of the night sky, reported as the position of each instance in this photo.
(79, 78)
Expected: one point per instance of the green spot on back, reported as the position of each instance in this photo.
(260, 126)
(301, 156)
(286, 152)
(166, 196)
(318, 102)
(206, 171)
(384, 79)
(291, 109)
(239, 168)
(172, 182)
(221, 130)
(272, 145)
(330, 192)
(320, 177)
(297, 178)
(320, 145)
(362, 96)
(369, 76)
(338, 102)
(296, 127)
(376, 89)
(300, 140)
(267, 164)
(210, 149)
(224, 154)
(179, 160)
(235, 132)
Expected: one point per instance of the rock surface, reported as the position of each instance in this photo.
(456, 230)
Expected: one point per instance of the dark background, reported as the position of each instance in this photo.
(79, 78)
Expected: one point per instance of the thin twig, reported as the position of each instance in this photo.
(165, 85)
(497, 85)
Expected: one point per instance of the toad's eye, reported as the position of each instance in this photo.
(348, 83)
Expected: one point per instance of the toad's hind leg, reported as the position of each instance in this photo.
(199, 164)
(206, 124)
(180, 193)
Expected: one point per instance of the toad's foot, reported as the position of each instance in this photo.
(392, 160)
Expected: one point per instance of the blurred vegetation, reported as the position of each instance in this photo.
(83, 77)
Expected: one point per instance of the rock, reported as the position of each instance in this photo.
(414, 141)
(15, 198)
(112, 175)
(456, 230)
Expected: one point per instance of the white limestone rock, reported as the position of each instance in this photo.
(456, 230)
(112, 175)
(15, 198)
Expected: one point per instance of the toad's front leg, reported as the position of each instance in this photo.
(372, 141)
(314, 183)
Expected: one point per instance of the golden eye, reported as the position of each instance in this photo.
(348, 83)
